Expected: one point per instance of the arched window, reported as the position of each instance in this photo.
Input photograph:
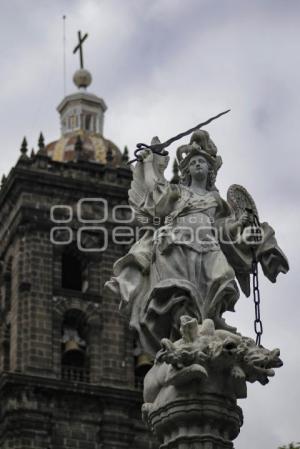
(74, 270)
(74, 347)
(88, 122)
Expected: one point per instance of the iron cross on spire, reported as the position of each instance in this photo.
(79, 47)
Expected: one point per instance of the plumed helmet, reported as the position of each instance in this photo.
(201, 144)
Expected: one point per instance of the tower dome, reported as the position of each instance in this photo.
(82, 115)
(94, 148)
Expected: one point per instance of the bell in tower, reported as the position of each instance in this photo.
(74, 347)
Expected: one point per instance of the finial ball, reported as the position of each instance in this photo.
(82, 78)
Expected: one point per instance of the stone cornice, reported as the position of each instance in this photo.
(88, 177)
(102, 392)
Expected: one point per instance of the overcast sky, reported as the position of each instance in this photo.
(162, 66)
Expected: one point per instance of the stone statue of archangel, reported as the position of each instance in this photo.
(193, 250)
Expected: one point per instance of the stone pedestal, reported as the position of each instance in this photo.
(206, 421)
(191, 391)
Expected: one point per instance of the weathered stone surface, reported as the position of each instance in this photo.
(40, 409)
(193, 248)
(192, 420)
(181, 271)
(190, 393)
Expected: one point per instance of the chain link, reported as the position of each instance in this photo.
(258, 327)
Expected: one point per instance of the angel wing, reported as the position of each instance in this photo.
(268, 253)
(240, 200)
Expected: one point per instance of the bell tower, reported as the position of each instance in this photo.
(67, 361)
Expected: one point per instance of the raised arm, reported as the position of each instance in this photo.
(150, 176)
(150, 192)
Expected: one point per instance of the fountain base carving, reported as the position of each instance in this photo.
(204, 421)
(191, 391)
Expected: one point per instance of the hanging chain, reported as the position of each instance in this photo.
(258, 327)
(256, 235)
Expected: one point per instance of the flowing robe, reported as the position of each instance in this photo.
(183, 266)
